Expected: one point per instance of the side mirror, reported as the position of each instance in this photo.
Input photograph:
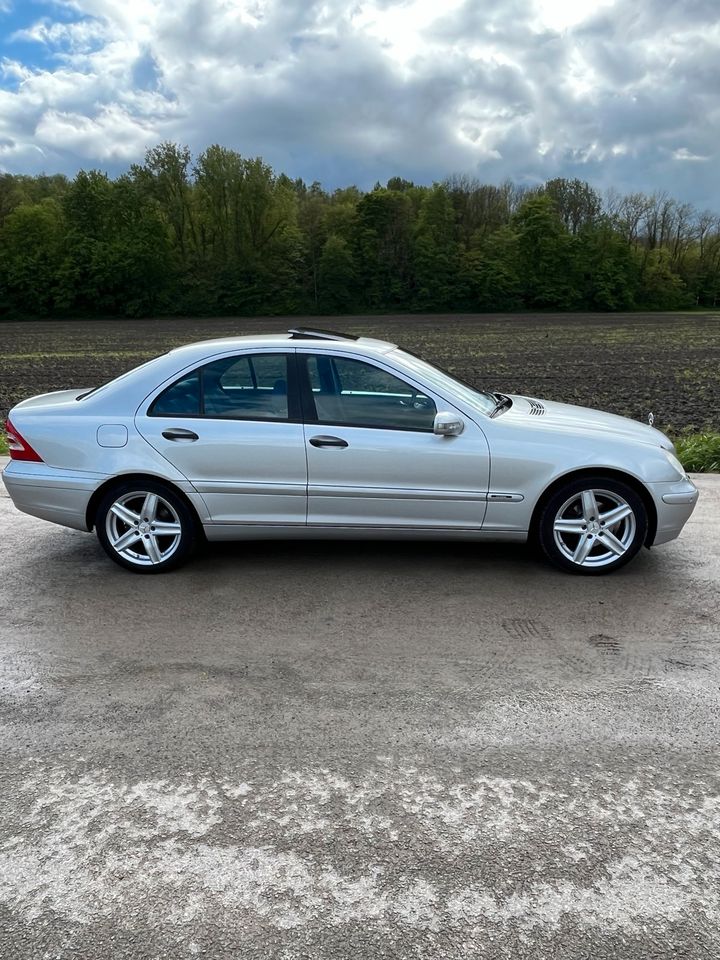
(448, 424)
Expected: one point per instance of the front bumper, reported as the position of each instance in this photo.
(60, 496)
(674, 503)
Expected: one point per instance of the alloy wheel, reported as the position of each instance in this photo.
(593, 528)
(143, 528)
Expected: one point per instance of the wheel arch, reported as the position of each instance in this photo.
(122, 478)
(627, 478)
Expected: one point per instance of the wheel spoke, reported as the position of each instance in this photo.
(150, 506)
(123, 513)
(574, 525)
(609, 540)
(589, 505)
(616, 515)
(126, 540)
(153, 551)
(583, 548)
(163, 529)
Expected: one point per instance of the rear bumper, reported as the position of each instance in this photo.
(60, 496)
(674, 502)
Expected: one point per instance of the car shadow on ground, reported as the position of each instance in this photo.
(482, 557)
(65, 550)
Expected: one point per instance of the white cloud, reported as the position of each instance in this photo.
(113, 134)
(76, 37)
(684, 154)
(563, 14)
(620, 92)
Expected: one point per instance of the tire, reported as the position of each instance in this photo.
(146, 527)
(572, 531)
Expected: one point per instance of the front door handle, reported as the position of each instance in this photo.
(328, 442)
(178, 433)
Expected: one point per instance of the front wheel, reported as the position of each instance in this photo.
(593, 525)
(146, 527)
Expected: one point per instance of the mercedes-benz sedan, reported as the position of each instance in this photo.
(316, 434)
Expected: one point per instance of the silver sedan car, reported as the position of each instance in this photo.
(314, 434)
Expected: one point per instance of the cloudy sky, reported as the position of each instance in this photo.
(618, 92)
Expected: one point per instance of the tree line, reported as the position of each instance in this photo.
(224, 234)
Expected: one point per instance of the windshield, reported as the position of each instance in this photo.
(446, 382)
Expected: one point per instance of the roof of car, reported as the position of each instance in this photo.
(305, 340)
(139, 381)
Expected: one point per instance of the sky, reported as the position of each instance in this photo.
(622, 93)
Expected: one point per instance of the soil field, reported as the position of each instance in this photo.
(624, 363)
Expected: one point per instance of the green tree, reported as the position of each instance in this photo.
(312, 208)
(337, 276)
(383, 244)
(607, 269)
(480, 208)
(116, 249)
(545, 255)
(660, 288)
(436, 253)
(577, 204)
(227, 234)
(219, 181)
(31, 249)
(492, 273)
(165, 175)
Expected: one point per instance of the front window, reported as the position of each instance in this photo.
(358, 394)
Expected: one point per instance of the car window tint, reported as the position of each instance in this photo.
(181, 399)
(248, 387)
(356, 393)
(314, 374)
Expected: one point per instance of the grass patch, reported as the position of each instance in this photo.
(3, 445)
(699, 452)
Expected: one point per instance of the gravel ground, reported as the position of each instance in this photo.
(358, 750)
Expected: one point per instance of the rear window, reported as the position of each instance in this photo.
(250, 387)
(182, 399)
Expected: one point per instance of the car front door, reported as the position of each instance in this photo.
(233, 428)
(373, 458)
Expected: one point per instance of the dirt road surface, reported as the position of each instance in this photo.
(358, 751)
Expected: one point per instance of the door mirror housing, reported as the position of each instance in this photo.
(448, 424)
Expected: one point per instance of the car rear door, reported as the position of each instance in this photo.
(373, 459)
(233, 428)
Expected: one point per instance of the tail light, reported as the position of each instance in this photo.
(20, 449)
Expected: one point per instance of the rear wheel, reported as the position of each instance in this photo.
(146, 527)
(593, 525)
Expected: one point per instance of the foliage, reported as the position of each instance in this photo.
(546, 254)
(699, 452)
(31, 257)
(337, 276)
(225, 234)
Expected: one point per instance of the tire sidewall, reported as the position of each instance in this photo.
(546, 532)
(188, 523)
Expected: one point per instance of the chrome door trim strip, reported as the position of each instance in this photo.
(399, 493)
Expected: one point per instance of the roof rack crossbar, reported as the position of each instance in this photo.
(317, 333)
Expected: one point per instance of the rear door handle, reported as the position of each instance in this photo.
(178, 433)
(328, 442)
